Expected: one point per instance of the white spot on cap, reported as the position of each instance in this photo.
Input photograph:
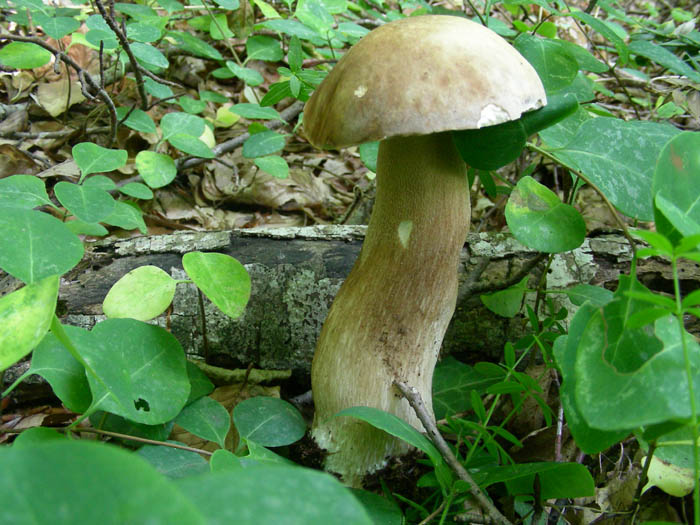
(491, 115)
(404, 231)
(360, 91)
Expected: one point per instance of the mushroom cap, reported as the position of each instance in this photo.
(421, 75)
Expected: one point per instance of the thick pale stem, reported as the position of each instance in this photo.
(389, 317)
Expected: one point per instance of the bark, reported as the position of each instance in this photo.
(296, 272)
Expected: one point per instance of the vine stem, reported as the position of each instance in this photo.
(414, 399)
(691, 390)
(585, 179)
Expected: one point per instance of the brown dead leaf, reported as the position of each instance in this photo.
(14, 161)
(54, 96)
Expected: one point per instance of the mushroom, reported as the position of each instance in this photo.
(407, 83)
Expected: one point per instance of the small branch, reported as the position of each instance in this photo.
(416, 402)
(127, 49)
(142, 440)
(85, 78)
(287, 114)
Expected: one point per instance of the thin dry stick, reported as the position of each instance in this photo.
(286, 114)
(414, 399)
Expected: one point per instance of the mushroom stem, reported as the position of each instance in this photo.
(389, 317)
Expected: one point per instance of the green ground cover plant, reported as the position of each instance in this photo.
(629, 370)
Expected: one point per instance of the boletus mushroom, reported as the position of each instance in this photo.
(408, 84)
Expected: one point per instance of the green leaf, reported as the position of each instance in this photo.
(260, 47)
(274, 165)
(452, 383)
(223, 461)
(157, 89)
(157, 169)
(178, 123)
(368, 154)
(231, 5)
(396, 427)
(295, 58)
(556, 480)
(656, 240)
(64, 373)
(555, 65)
(561, 133)
(100, 181)
(267, 10)
(314, 14)
(541, 221)
(263, 143)
(200, 385)
(34, 245)
(79, 227)
(142, 32)
(23, 191)
(104, 38)
(137, 190)
(191, 105)
(605, 30)
(246, 74)
(596, 295)
(619, 157)
(255, 111)
(191, 145)
(506, 303)
(676, 184)
(149, 56)
(92, 158)
(34, 436)
(127, 217)
(143, 293)
(221, 278)
(380, 510)
(25, 317)
(172, 462)
(196, 46)
(493, 147)
(585, 59)
(268, 421)
(302, 496)
(140, 370)
(663, 57)
(207, 419)
(24, 55)
(276, 92)
(128, 490)
(87, 203)
(291, 28)
(138, 120)
(56, 27)
(589, 439)
(633, 377)
(114, 423)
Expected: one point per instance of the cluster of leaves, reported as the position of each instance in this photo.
(627, 364)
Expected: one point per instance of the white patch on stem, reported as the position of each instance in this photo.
(404, 231)
(360, 91)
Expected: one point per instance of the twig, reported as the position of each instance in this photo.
(127, 49)
(287, 114)
(143, 440)
(85, 77)
(642, 480)
(414, 399)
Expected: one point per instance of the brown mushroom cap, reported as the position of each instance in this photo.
(421, 75)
